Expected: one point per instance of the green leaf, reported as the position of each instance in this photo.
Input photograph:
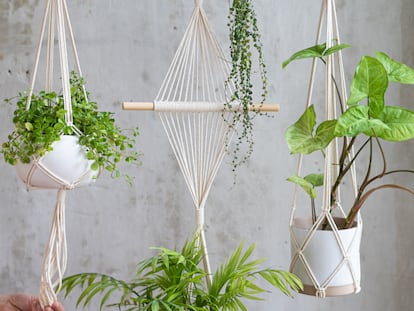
(335, 48)
(310, 52)
(397, 72)
(353, 122)
(316, 51)
(304, 184)
(356, 121)
(399, 122)
(315, 179)
(370, 81)
(28, 126)
(325, 133)
(300, 138)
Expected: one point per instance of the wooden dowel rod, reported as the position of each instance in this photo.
(138, 106)
(145, 106)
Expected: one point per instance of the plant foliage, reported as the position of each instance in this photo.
(244, 42)
(38, 127)
(366, 116)
(172, 280)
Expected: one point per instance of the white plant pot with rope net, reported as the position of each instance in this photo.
(65, 165)
(324, 256)
(325, 259)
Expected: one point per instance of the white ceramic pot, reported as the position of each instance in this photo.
(335, 272)
(65, 166)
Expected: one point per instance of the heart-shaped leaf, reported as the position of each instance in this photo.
(400, 124)
(300, 136)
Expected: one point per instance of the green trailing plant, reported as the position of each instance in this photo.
(245, 42)
(37, 128)
(172, 280)
(363, 125)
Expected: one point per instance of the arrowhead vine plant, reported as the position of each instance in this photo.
(38, 127)
(245, 42)
(365, 123)
(173, 281)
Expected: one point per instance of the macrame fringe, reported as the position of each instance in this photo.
(55, 255)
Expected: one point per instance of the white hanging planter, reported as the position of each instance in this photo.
(325, 268)
(66, 166)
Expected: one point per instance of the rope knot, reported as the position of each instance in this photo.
(69, 186)
(321, 293)
(198, 2)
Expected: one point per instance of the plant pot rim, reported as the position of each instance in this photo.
(305, 223)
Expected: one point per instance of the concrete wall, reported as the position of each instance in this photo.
(125, 49)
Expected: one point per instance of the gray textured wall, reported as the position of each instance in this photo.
(125, 48)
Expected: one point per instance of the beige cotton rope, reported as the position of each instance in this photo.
(333, 69)
(55, 17)
(191, 104)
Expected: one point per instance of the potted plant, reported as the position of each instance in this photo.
(365, 122)
(72, 153)
(245, 42)
(173, 280)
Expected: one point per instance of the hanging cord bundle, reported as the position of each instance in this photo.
(335, 88)
(55, 256)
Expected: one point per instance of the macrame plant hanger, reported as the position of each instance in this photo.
(55, 17)
(303, 241)
(191, 105)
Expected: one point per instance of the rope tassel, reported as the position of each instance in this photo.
(55, 255)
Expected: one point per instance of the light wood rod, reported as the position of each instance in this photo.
(148, 106)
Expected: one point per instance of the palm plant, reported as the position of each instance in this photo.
(173, 280)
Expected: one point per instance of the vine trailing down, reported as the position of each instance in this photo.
(366, 117)
(245, 41)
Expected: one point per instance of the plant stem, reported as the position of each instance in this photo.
(313, 211)
(343, 169)
(354, 211)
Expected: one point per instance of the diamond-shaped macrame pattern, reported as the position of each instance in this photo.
(191, 102)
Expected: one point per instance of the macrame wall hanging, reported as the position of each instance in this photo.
(191, 104)
(325, 257)
(66, 167)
